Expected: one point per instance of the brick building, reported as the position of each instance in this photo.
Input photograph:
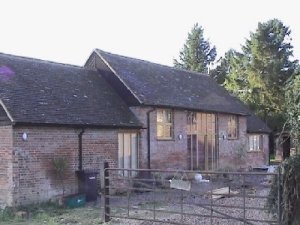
(189, 121)
(129, 112)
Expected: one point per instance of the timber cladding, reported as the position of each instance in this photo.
(33, 178)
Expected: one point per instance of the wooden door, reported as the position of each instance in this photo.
(201, 141)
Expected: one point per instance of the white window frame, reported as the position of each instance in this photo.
(233, 127)
(128, 146)
(255, 142)
(165, 120)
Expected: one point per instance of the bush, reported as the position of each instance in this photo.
(289, 191)
(7, 214)
(60, 166)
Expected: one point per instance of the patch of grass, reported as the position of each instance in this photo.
(51, 214)
(40, 212)
(7, 214)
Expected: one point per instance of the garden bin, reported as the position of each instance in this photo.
(87, 184)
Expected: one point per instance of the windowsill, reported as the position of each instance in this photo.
(254, 151)
(165, 139)
(232, 139)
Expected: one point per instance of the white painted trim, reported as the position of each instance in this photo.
(7, 112)
(110, 67)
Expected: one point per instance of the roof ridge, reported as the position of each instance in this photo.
(158, 64)
(41, 60)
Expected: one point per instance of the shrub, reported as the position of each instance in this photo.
(60, 166)
(289, 191)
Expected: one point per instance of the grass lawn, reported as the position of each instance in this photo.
(52, 214)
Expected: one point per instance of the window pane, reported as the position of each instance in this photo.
(121, 151)
(261, 142)
(168, 131)
(169, 116)
(164, 123)
(160, 116)
(134, 151)
(128, 152)
(232, 127)
(255, 142)
(160, 130)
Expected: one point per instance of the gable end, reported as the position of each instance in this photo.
(5, 117)
(97, 63)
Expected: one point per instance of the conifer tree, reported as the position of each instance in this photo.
(223, 67)
(258, 75)
(197, 52)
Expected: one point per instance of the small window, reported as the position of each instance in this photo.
(232, 131)
(191, 118)
(255, 142)
(164, 122)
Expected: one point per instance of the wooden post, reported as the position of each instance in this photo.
(106, 193)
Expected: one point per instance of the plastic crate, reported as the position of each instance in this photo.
(74, 201)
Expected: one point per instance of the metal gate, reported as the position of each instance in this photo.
(188, 197)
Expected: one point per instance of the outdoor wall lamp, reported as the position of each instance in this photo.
(24, 136)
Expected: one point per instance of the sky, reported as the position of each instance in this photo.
(67, 31)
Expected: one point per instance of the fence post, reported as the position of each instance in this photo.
(279, 195)
(106, 193)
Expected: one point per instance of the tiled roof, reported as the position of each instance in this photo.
(256, 125)
(157, 85)
(42, 92)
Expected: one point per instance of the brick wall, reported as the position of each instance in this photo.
(259, 158)
(172, 154)
(235, 153)
(6, 171)
(165, 154)
(35, 180)
(232, 151)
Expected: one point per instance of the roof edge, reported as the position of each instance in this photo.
(114, 72)
(78, 125)
(6, 111)
(42, 60)
(258, 132)
(194, 109)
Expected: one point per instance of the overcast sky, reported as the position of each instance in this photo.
(68, 30)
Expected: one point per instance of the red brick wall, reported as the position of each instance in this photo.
(173, 154)
(259, 158)
(165, 154)
(35, 180)
(232, 151)
(6, 171)
(235, 154)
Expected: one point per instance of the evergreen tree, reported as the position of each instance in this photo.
(258, 75)
(293, 110)
(197, 53)
(223, 67)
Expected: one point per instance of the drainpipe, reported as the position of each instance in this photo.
(148, 138)
(80, 149)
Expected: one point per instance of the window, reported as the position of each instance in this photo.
(164, 121)
(128, 152)
(232, 132)
(255, 142)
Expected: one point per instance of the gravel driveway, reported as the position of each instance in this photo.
(196, 201)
